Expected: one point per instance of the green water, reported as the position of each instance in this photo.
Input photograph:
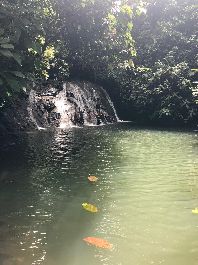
(147, 188)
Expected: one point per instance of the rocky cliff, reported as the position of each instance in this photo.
(74, 104)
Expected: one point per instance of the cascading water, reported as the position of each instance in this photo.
(111, 104)
(77, 104)
(63, 108)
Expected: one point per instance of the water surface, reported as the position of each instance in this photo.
(147, 188)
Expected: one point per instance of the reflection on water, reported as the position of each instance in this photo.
(148, 185)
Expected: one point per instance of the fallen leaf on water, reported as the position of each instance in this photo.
(98, 242)
(195, 211)
(92, 178)
(89, 207)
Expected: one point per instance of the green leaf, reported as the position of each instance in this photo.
(38, 25)
(7, 46)
(1, 81)
(129, 25)
(17, 35)
(17, 74)
(14, 83)
(17, 58)
(1, 31)
(37, 47)
(6, 53)
(4, 40)
(27, 43)
(26, 22)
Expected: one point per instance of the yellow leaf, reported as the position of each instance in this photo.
(90, 207)
(92, 178)
(195, 211)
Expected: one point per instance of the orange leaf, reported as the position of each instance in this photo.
(98, 242)
(92, 178)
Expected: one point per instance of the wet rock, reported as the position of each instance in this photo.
(77, 103)
(49, 106)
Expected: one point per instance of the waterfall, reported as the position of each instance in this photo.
(77, 104)
(112, 105)
(63, 108)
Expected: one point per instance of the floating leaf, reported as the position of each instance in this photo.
(92, 178)
(195, 211)
(89, 207)
(98, 242)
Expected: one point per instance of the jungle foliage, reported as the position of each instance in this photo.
(162, 88)
(144, 50)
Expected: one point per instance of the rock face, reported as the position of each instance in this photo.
(78, 103)
(16, 117)
(75, 104)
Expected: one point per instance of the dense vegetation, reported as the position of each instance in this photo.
(145, 51)
(162, 87)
